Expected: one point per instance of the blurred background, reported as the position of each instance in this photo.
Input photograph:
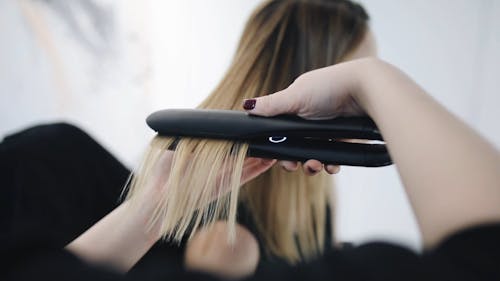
(104, 65)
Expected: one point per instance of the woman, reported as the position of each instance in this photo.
(288, 213)
(451, 179)
(455, 195)
(282, 40)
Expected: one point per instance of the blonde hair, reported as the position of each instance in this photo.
(282, 40)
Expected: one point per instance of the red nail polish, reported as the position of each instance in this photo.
(249, 104)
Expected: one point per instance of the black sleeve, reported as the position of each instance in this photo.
(36, 257)
(57, 181)
(472, 254)
(57, 177)
(32, 256)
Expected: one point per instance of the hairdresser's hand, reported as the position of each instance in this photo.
(456, 188)
(209, 250)
(321, 94)
(122, 237)
(252, 167)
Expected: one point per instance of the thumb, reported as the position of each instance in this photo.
(282, 102)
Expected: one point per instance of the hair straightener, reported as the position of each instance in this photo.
(283, 137)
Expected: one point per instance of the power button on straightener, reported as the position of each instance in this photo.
(277, 139)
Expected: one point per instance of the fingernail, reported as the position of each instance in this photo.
(249, 104)
(311, 170)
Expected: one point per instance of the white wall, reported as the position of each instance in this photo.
(160, 54)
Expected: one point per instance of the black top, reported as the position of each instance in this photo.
(469, 255)
(47, 199)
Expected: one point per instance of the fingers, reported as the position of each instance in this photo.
(290, 166)
(312, 167)
(332, 169)
(278, 103)
(256, 166)
(253, 167)
(209, 250)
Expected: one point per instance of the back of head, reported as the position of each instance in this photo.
(282, 40)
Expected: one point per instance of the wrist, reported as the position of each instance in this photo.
(372, 80)
(361, 72)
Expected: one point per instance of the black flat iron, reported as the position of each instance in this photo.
(283, 137)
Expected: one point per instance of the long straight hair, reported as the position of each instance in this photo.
(281, 40)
